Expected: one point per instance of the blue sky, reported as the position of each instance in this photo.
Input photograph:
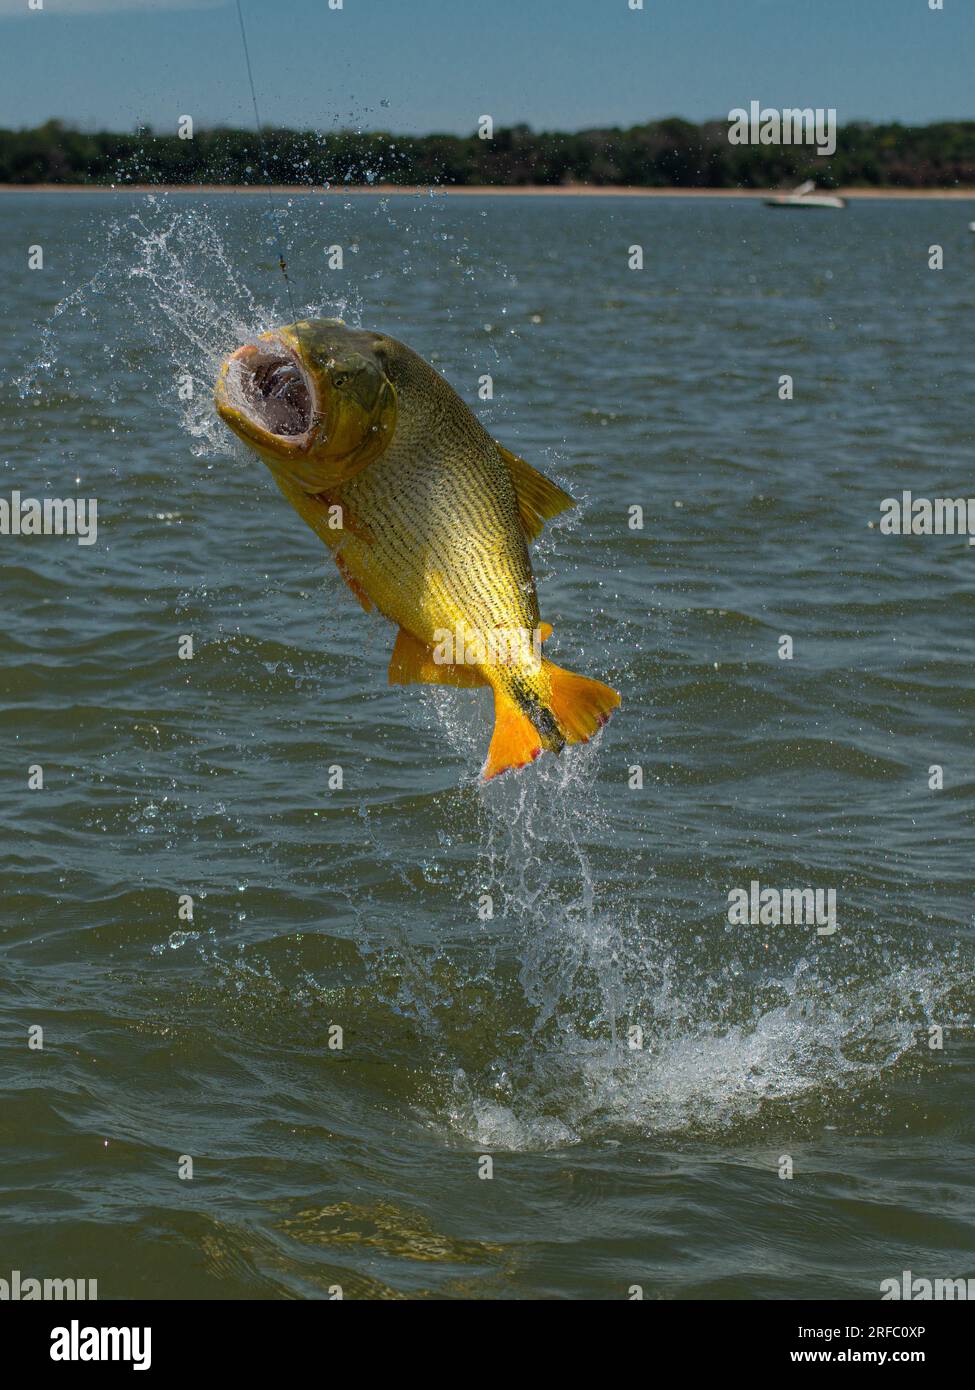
(423, 65)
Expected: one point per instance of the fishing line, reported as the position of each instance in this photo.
(264, 166)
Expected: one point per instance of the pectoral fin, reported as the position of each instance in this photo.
(348, 520)
(353, 583)
(539, 498)
(329, 517)
(412, 663)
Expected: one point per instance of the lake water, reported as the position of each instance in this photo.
(637, 1067)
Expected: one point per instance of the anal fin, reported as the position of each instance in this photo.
(412, 663)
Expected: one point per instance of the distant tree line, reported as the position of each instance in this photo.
(662, 154)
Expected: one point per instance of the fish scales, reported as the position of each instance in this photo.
(456, 551)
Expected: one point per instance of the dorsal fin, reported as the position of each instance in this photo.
(538, 497)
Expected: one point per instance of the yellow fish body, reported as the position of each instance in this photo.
(427, 516)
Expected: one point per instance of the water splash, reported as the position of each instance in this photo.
(189, 296)
(620, 1028)
(32, 382)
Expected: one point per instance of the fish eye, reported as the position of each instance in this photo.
(340, 378)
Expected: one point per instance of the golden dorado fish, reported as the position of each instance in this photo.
(428, 519)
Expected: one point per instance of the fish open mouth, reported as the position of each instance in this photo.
(268, 384)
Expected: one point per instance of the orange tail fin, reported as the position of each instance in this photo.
(515, 741)
(576, 708)
(580, 705)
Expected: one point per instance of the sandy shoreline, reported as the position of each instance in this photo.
(480, 191)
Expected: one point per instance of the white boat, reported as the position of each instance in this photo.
(805, 196)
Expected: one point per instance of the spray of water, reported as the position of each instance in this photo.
(631, 1021)
(187, 295)
(626, 1035)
